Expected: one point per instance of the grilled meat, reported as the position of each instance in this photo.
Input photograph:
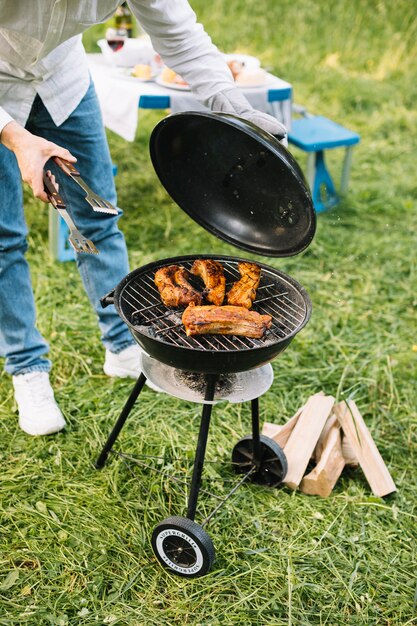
(243, 292)
(211, 272)
(224, 320)
(174, 288)
(181, 279)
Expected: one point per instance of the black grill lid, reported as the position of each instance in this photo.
(235, 180)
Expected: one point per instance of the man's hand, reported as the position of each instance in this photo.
(32, 152)
(233, 101)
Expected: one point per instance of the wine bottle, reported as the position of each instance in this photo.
(123, 19)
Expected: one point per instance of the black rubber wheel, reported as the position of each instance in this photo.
(272, 466)
(183, 547)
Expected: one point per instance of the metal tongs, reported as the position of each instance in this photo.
(76, 239)
(97, 203)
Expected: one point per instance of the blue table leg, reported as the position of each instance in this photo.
(347, 162)
(324, 192)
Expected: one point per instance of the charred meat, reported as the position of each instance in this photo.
(174, 288)
(211, 273)
(224, 320)
(243, 292)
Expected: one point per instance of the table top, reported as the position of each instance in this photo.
(101, 69)
(120, 96)
(319, 133)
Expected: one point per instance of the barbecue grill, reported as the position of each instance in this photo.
(242, 185)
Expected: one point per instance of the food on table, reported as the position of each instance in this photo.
(169, 76)
(174, 288)
(235, 67)
(243, 292)
(211, 272)
(224, 320)
(243, 76)
(142, 71)
(251, 78)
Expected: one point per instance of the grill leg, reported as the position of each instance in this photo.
(121, 420)
(211, 380)
(255, 431)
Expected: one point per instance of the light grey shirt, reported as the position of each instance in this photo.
(41, 51)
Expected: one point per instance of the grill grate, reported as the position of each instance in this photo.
(143, 308)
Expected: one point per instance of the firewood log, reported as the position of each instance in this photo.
(304, 436)
(321, 480)
(364, 447)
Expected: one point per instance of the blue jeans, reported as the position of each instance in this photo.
(83, 135)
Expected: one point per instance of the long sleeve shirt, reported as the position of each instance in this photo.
(41, 51)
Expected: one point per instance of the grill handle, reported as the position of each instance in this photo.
(52, 193)
(107, 299)
(66, 167)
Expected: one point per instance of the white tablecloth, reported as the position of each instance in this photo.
(119, 97)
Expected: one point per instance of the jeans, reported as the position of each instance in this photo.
(83, 135)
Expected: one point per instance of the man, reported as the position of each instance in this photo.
(48, 107)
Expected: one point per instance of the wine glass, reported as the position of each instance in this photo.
(116, 38)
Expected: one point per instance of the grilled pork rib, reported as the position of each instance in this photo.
(211, 272)
(224, 320)
(243, 292)
(174, 288)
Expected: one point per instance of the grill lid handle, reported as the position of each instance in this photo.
(107, 299)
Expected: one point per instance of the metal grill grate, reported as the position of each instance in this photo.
(142, 306)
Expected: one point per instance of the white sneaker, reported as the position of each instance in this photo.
(39, 414)
(126, 364)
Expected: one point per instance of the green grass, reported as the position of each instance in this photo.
(75, 542)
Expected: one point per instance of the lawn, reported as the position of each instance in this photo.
(75, 542)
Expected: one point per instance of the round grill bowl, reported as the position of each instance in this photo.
(159, 331)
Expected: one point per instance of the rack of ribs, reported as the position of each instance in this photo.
(174, 288)
(243, 292)
(211, 272)
(224, 320)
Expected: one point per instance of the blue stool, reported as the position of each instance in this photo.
(59, 247)
(314, 134)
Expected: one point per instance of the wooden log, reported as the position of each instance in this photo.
(318, 450)
(271, 430)
(281, 432)
(321, 480)
(303, 438)
(364, 447)
(348, 454)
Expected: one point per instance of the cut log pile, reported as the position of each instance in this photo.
(332, 435)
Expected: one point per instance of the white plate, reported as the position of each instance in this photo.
(256, 86)
(164, 83)
(126, 74)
